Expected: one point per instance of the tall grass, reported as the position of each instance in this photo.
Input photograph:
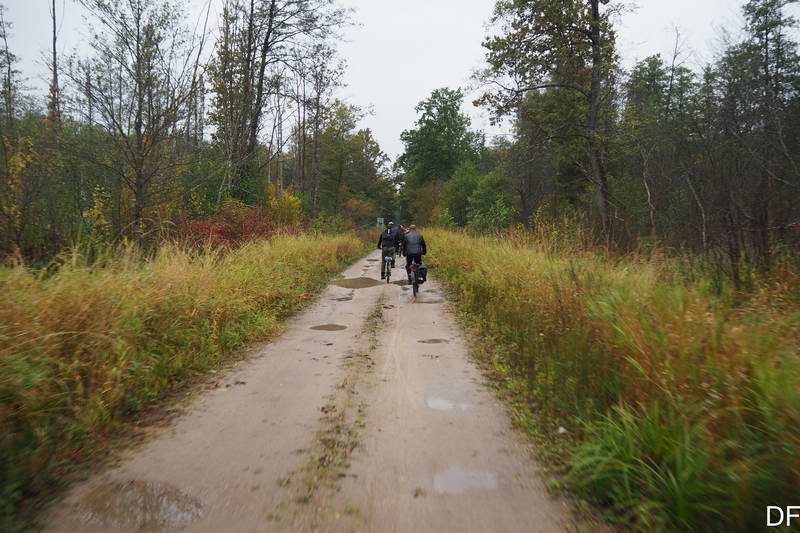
(89, 344)
(684, 399)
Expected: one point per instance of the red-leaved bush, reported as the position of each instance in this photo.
(235, 223)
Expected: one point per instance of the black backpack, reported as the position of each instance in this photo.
(387, 240)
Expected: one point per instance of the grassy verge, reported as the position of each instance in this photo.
(87, 346)
(683, 404)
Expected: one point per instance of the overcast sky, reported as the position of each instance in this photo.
(400, 51)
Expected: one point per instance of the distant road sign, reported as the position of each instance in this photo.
(380, 221)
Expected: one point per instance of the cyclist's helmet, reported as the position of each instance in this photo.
(391, 224)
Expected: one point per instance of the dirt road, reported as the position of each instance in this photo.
(365, 415)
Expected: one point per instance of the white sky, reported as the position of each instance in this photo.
(400, 51)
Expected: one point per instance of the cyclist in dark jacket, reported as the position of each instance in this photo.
(388, 242)
(413, 248)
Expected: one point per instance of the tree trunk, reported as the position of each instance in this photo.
(315, 163)
(259, 98)
(138, 207)
(595, 148)
(55, 105)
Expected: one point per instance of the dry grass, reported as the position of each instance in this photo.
(685, 403)
(88, 345)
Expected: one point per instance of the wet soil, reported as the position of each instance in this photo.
(329, 327)
(456, 480)
(358, 283)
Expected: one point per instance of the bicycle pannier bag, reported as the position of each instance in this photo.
(422, 273)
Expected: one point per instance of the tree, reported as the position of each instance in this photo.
(562, 46)
(144, 79)
(776, 66)
(353, 171)
(13, 197)
(457, 192)
(440, 141)
(256, 38)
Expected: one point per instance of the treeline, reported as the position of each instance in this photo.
(161, 123)
(703, 159)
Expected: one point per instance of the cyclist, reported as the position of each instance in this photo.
(388, 242)
(413, 248)
(403, 231)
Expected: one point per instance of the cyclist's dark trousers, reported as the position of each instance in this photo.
(416, 258)
(387, 252)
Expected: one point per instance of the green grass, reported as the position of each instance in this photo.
(89, 345)
(683, 402)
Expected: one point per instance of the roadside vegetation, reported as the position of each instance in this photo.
(92, 343)
(680, 397)
(637, 289)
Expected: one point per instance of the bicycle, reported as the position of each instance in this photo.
(414, 279)
(386, 267)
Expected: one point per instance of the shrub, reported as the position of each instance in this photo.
(443, 219)
(331, 223)
(499, 216)
(359, 210)
(235, 224)
(285, 207)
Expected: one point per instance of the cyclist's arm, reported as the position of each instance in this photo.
(424, 247)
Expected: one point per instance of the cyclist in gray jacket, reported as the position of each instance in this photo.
(413, 248)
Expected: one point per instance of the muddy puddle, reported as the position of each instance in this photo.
(357, 283)
(329, 327)
(342, 299)
(432, 301)
(434, 341)
(458, 481)
(372, 260)
(139, 506)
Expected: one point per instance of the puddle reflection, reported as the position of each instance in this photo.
(440, 404)
(139, 506)
(456, 480)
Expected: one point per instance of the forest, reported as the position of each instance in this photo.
(624, 259)
(164, 130)
(161, 133)
(703, 161)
